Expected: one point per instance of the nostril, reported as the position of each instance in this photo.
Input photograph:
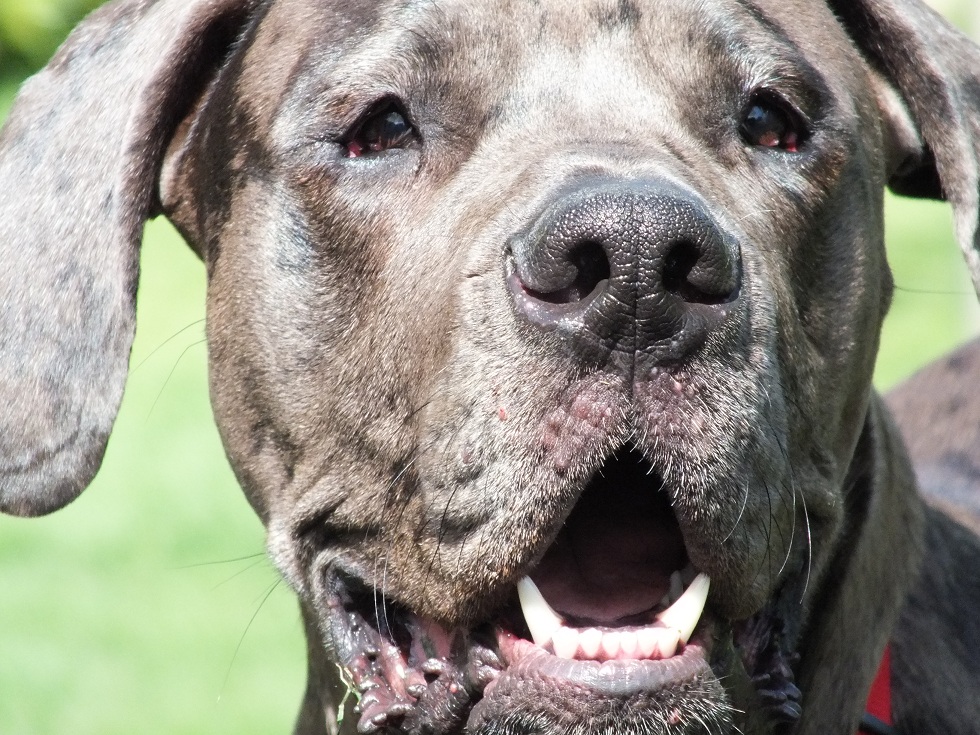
(677, 265)
(684, 275)
(591, 273)
(626, 267)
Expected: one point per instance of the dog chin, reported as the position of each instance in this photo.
(539, 691)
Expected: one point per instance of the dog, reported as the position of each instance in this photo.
(540, 335)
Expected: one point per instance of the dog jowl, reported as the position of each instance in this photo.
(540, 333)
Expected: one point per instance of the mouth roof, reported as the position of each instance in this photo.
(616, 583)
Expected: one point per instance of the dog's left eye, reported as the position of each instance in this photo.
(382, 131)
(769, 124)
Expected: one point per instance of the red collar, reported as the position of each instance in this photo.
(878, 710)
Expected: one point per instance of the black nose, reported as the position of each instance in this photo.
(627, 267)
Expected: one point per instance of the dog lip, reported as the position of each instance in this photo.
(405, 671)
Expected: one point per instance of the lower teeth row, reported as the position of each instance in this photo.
(652, 642)
(673, 628)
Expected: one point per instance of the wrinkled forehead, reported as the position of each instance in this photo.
(508, 56)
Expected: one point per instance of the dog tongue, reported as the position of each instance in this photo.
(614, 557)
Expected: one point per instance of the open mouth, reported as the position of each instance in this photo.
(613, 608)
(616, 583)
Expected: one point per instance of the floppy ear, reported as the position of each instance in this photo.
(79, 161)
(936, 72)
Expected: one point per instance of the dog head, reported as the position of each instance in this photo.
(512, 303)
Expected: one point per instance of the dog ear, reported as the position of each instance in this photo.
(936, 72)
(79, 159)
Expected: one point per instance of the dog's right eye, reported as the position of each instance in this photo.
(382, 130)
(769, 123)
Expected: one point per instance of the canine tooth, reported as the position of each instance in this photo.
(684, 614)
(541, 620)
(590, 641)
(565, 642)
(676, 587)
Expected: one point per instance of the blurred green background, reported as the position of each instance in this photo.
(147, 606)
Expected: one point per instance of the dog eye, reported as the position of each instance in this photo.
(769, 123)
(381, 131)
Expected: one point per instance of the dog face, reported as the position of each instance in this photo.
(433, 392)
(574, 302)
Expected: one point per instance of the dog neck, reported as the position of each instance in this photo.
(867, 581)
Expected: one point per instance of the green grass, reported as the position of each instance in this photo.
(122, 613)
(145, 606)
(934, 308)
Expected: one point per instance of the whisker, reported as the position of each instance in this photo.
(234, 656)
(931, 292)
(171, 374)
(240, 572)
(809, 547)
(249, 557)
(745, 501)
(165, 342)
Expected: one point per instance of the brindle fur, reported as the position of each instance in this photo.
(382, 406)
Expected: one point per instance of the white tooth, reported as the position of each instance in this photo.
(541, 620)
(676, 587)
(610, 645)
(684, 614)
(565, 642)
(657, 642)
(665, 600)
(628, 644)
(667, 640)
(647, 639)
(590, 640)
